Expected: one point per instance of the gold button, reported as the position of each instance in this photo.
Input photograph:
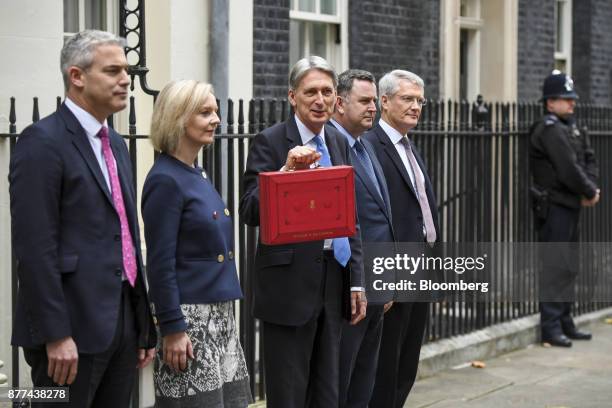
(220, 258)
(230, 254)
(226, 211)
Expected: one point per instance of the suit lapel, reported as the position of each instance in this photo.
(331, 141)
(392, 153)
(79, 139)
(292, 133)
(378, 172)
(361, 172)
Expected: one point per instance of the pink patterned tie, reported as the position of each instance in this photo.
(127, 247)
(419, 186)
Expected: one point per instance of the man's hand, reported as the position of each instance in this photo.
(358, 306)
(176, 348)
(63, 361)
(145, 356)
(301, 157)
(586, 202)
(387, 306)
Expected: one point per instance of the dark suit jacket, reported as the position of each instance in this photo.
(288, 278)
(405, 209)
(373, 210)
(190, 242)
(67, 239)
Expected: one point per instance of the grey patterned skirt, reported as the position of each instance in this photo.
(217, 377)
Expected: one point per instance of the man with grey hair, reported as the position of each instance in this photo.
(83, 317)
(354, 114)
(298, 287)
(414, 212)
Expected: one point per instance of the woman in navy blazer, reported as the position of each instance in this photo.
(190, 259)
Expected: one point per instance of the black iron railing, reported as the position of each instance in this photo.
(477, 157)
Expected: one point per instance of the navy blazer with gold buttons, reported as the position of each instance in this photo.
(190, 244)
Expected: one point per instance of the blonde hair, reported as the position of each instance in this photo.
(175, 105)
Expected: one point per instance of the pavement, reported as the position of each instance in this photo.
(532, 377)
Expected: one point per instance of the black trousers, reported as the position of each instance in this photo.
(103, 380)
(301, 362)
(559, 269)
(359, 357)
(398, 361)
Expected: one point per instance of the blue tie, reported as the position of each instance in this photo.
(342, 249)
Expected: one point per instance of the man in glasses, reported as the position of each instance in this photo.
(414, 214)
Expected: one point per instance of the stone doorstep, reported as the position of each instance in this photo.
(489, 342)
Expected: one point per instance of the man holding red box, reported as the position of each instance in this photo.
(298, 287)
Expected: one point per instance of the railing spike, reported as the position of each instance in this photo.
(230, 116)
(35, 112)
(240, 116)
(12, 117)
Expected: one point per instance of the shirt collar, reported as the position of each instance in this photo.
(91, 125)
(306, 134)
(393, 134)
(345, 132)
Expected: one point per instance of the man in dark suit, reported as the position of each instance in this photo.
(83, 317)
(354, 114)
(298, 287)
(413, 208)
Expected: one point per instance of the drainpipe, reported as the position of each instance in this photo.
(219, 59)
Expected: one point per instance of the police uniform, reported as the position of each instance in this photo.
(564, 171)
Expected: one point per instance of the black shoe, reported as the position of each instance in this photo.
(579, 335)
(560, 340)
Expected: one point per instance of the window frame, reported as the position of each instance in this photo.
(112, 20)
(565, 55)
(473, 24)
(337, 25)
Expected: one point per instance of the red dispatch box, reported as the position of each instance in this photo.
(306, 205)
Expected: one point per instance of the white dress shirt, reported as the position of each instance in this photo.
(91, 127)
(396, 138)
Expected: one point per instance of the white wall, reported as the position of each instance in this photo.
(30, 41)
(240, 51)
(499, 50)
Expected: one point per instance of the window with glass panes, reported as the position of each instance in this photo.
(88, 14)
(315, 29)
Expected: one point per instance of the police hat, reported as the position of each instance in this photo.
(558, 85)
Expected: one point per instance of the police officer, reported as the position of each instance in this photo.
(565, 176)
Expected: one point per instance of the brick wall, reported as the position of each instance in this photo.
(536, 46)
(270, 48)
(592, 50)
(392, 34)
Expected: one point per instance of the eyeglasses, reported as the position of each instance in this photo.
(411, 100)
